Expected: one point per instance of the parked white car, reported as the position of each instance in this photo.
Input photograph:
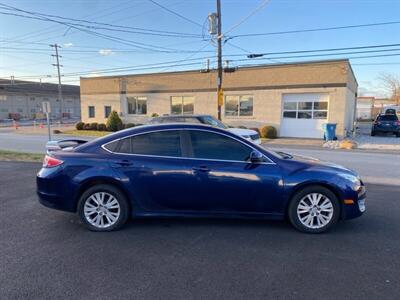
(248, 134)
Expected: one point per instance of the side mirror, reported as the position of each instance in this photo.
(256, 156)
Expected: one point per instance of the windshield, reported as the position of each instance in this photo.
(213, 122)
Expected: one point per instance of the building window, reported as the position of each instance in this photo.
(305, 110)
(91, 111)
(182, 105)
(20, 110)
(107, 111)
(137, 105)
(32, 98)
(33, 110)
(239, 106)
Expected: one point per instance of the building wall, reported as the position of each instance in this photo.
(267, 106)
(265, 84)
(28, 106)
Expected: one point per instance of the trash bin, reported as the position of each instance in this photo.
(329, 131)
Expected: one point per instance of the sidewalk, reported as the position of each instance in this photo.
(361, 142)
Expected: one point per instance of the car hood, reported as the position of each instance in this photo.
(241, 131)
(310, 162)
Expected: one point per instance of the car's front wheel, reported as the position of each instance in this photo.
(314, 209)
(103, 208)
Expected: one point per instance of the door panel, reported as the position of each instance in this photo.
(234, 187)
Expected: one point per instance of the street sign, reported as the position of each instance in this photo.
(220, 97)
(46, 107)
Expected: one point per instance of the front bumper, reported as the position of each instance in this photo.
(357, 208)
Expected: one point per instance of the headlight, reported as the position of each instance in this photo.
(356, 183)
(357, 186)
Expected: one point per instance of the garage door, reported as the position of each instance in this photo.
(304, 114)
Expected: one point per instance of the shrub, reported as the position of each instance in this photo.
(268, 132)
(114, 122)
(86, 126)
(129, 125)
(56, 131)
(154, 115)
(79, 125)
(93, 126)
(101, 127)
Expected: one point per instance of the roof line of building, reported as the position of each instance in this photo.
(261, 66)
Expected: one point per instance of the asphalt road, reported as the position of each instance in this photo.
(47, 254)
(31, 143)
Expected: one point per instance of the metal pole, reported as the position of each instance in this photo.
(48, 125)
(219, 39)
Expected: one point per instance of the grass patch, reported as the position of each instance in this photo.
(20, 156)
(85, 132)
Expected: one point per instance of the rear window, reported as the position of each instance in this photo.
(387, 118)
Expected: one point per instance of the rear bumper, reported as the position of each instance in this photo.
(386, 129)
(54, 201)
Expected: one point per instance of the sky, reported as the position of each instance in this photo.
(25, 52)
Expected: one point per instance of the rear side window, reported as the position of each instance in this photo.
(112, 146)
(387, 118)
(161, 143)
(209, 145)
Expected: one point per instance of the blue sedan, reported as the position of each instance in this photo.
(194, 171)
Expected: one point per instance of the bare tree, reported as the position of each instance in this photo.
(391, 84)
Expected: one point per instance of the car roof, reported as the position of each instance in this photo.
(182, 116)
(149, 128)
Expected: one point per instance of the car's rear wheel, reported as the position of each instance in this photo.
(314, 209)
(103, 208)
(373, 133)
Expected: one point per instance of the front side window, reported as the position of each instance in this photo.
(137, 105)
(161, 143)
(182, 105)
(107, 111)
(209, 145)
(240, 105)
(91, 111)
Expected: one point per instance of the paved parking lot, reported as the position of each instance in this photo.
(46, 254)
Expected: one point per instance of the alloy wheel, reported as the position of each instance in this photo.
(315, 210)
(102, 209)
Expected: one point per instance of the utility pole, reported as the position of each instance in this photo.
(219, 53)
(60, 97)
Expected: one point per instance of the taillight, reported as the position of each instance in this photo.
(51, 162)
(398, 123)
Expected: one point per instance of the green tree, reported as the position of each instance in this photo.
(114, 122)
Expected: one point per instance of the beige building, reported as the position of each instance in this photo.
(295, 98)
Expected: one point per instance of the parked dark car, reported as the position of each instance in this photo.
(386, 123)
(194, 171)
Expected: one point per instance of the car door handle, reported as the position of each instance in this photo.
(123, 163)
(201, 169)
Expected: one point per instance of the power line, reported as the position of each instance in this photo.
(316, 29)
(257, 9)
(176, 14)
(136, 29)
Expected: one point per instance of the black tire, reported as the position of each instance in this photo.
(292, 209)
(373, 133)
(398, 134)
(117, 194)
